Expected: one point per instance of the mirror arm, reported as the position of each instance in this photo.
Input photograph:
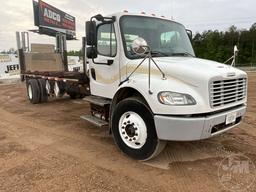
(163, 74)
(190, 34)
(127, 78)
(229, 59)
(104, 19)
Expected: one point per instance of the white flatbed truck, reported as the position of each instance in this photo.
(147, 86)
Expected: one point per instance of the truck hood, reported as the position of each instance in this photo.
(195, 71)
(184, 75)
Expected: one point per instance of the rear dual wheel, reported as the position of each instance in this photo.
(36, 90)
(33, 91)
(43, 91)
(134, 131)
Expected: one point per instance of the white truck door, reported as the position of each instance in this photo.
(104, 73)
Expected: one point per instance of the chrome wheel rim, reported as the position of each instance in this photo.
(30, 94)
(133, 130)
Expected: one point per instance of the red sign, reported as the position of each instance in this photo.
(51, 18)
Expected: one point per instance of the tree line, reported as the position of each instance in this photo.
(218, 45)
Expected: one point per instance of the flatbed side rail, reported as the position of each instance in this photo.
(50, 78)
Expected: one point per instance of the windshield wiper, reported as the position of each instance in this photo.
(183, 54)
(159, 53)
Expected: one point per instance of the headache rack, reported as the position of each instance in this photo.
(227, 91)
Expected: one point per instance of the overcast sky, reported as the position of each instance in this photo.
(197, 15)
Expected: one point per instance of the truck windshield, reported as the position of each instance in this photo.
(165, 38)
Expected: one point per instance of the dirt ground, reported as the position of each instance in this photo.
(48, 147)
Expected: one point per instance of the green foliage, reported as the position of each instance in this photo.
(75, 53)
(218, 45)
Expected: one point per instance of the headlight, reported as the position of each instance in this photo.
(172, 98)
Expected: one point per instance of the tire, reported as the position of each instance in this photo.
(43, 91)
(81, 96)
(134, 131)
(72, 95)
(33, 91)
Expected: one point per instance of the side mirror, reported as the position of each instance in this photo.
(235, 50)
(190, 34)
(140, 46)
(99, 17)
(91, 53)
(91, 34)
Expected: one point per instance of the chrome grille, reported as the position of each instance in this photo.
(223, 92)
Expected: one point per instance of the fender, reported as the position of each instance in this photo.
(124, 91)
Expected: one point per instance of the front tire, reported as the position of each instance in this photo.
(134, 131)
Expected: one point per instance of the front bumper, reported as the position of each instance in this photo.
(195, 128)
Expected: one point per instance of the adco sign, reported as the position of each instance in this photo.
(51, 20)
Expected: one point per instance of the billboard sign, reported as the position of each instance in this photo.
(51, 20)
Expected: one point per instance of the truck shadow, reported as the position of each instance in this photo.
(215, 148)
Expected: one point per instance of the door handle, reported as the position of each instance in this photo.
(93, 73)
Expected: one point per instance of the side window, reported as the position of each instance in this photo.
(106, 44)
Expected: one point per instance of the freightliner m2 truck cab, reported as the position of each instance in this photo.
(161, 93)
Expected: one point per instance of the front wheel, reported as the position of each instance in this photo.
(134, 131)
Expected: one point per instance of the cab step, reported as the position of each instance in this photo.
(100, 101)
(99, 108)
(94, 120)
